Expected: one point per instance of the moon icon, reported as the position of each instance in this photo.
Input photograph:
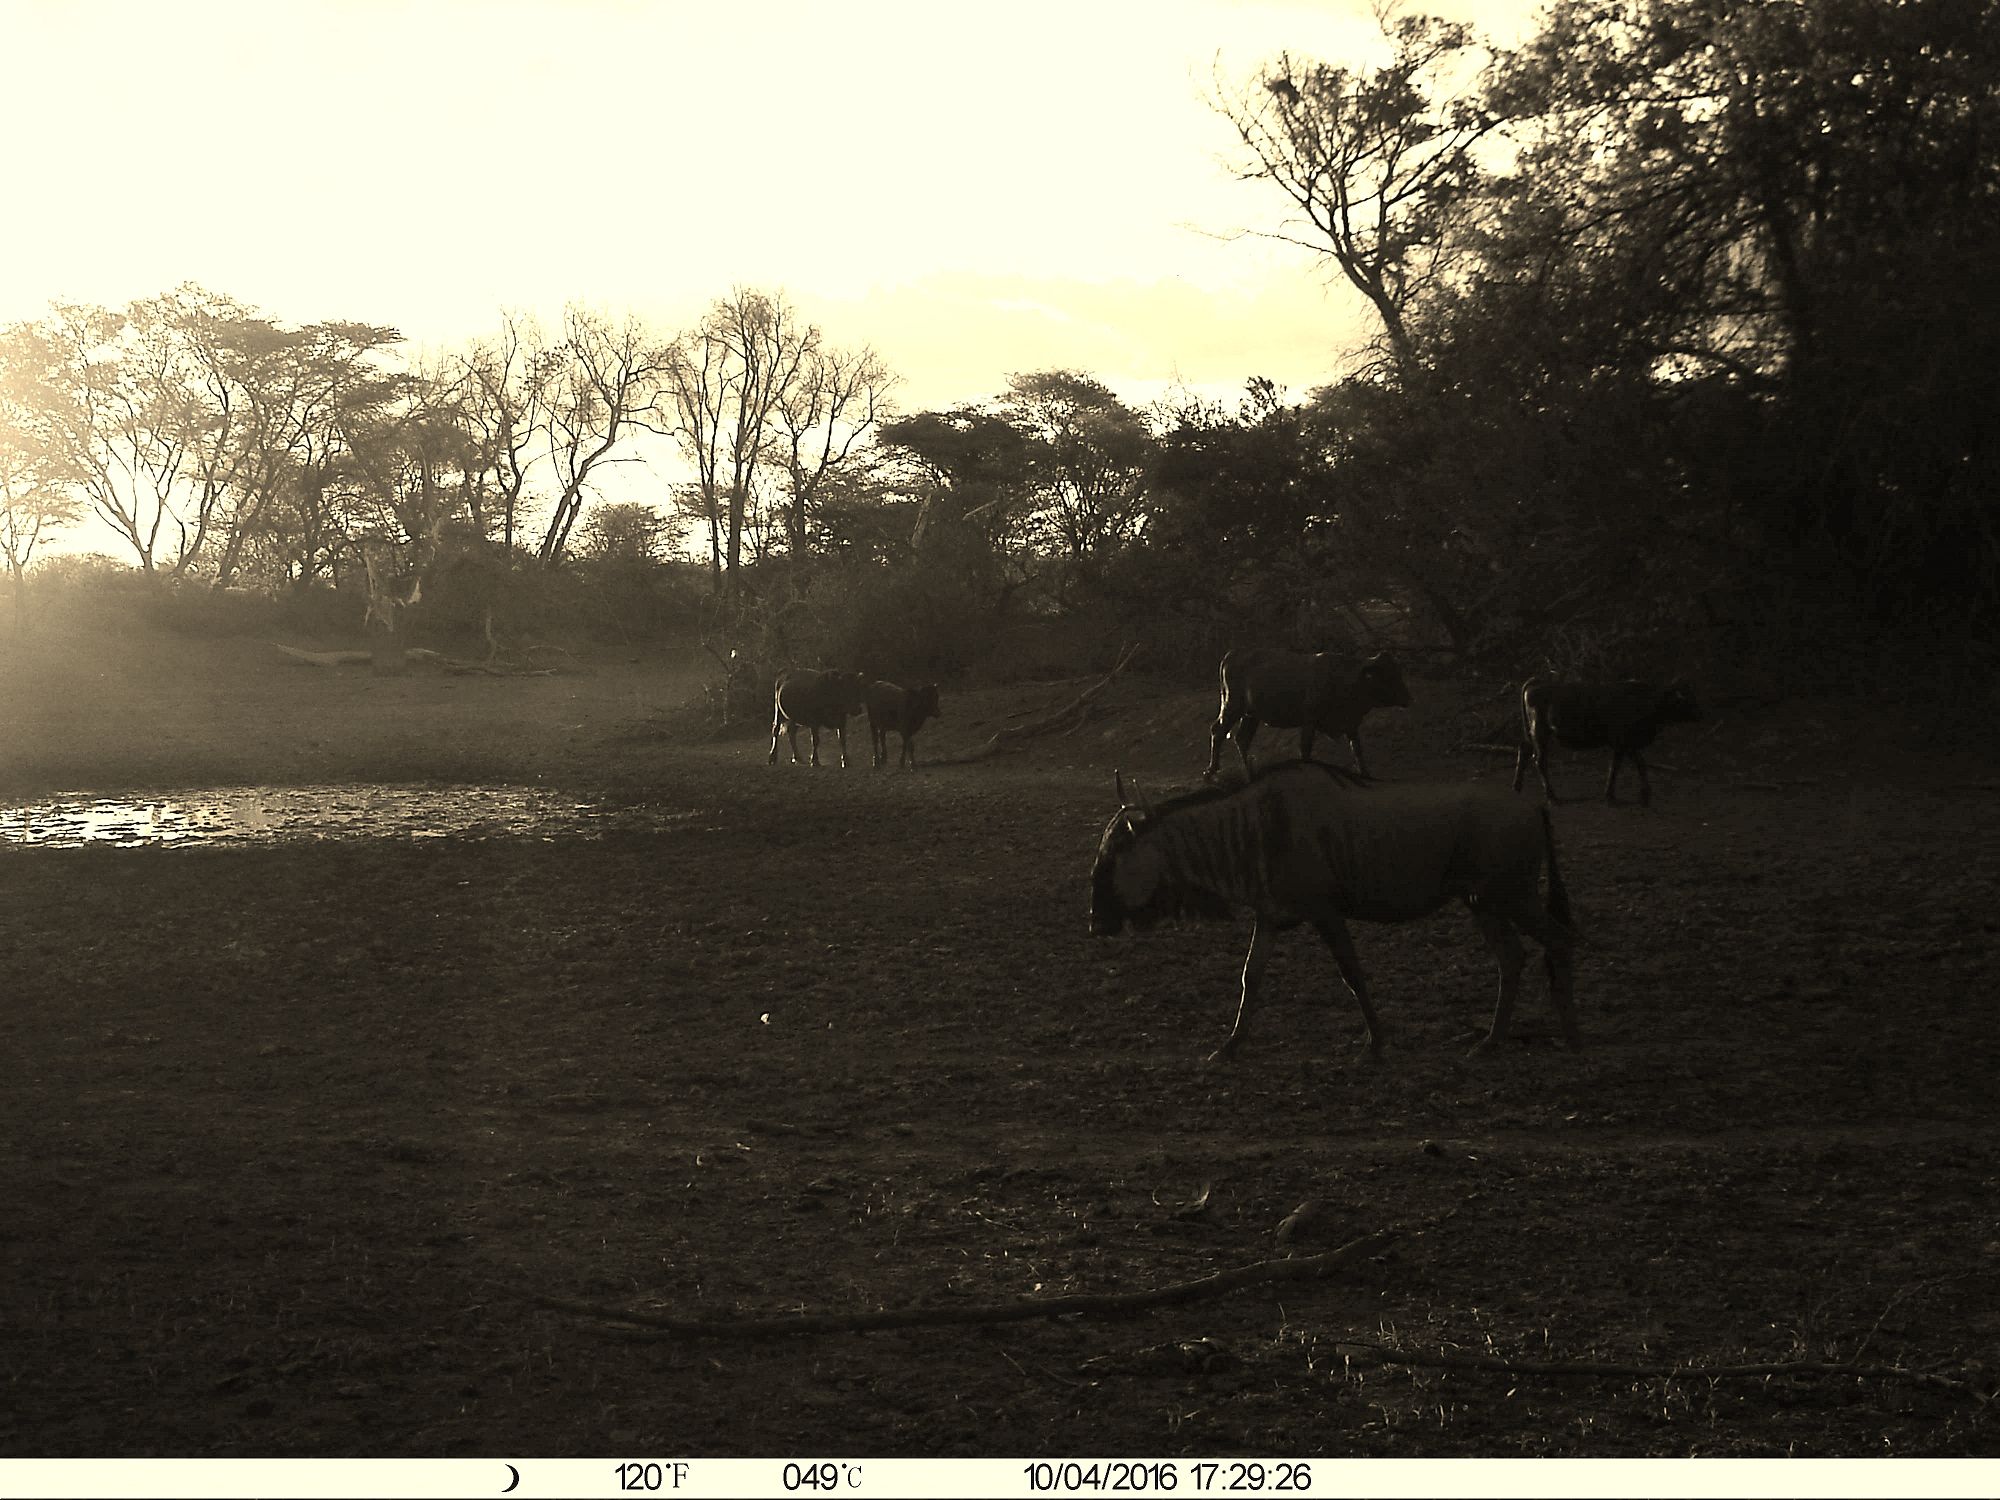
(512, 1483)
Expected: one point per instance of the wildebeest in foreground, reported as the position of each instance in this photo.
(903, 710)
(1309, 842)
(1307, 693)
(818, 700)
(1590, 716)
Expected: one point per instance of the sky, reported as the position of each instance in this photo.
(975, 191)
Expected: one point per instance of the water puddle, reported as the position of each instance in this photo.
(291, 814)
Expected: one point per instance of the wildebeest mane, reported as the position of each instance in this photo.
(1202, 795)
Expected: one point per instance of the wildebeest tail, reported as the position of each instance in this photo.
(1559, 906)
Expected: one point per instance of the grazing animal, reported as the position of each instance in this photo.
(818, 700)
(904, 710)
(1590, 716)
(1310, 842)
(1307, 693)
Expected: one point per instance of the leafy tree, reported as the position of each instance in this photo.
(1086, 455)
(1381, 162)
(33, 503)
(625, 530)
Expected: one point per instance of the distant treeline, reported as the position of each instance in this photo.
(1685, 341)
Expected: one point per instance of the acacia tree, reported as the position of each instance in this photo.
(142, 420)
(407, 479)
(1087, 454)
(299, 392)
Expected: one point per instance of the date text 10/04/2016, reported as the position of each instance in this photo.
(1206, 1477)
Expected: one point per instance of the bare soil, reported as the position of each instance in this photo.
(298, 1135)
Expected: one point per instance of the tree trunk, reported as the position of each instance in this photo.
(386, 645)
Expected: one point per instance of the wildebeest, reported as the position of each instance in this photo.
(1307, 693)
(818, 700)
(904, 710)
(1309, 842)
(1592, 715)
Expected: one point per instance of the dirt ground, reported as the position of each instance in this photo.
(299, 1134)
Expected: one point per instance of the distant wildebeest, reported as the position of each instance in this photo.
(902, 710)
(1307, 693)
(1590, 716)
(1304, 841)
(818, 700)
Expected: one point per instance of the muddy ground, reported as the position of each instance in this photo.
(298, 1134)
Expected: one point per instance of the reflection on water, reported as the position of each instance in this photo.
(272, 814)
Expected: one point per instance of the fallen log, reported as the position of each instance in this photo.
(326, 658)
(1069, 717)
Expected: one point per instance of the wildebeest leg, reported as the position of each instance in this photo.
(1224, 722)
(1253, 976)
(1558, 959)
(841, 730)
(1562, 988)
(1538, 745)
(815, 735)
(1645, 785)
(1354, 744)
(792, 739)
(1611, 783)
(909, 752)
(1306, 736)
(878, 743)
(776, 725)
(1505, 945)
(1243, 734)
(1336, 937)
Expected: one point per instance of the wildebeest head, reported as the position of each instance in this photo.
(852, 688)
(1384, 681)
(927, 701)
(1123, 886)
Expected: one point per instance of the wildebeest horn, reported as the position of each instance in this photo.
(1118, 781)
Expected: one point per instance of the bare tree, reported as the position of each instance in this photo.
(609, 381)
(725, 380)
(33, 501)
(505, 384)
(821, 420)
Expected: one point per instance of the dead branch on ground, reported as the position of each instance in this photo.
(1101, 1304)
(326, 658)
(1069, 717)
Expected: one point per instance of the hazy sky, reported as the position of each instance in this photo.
(973, 189)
